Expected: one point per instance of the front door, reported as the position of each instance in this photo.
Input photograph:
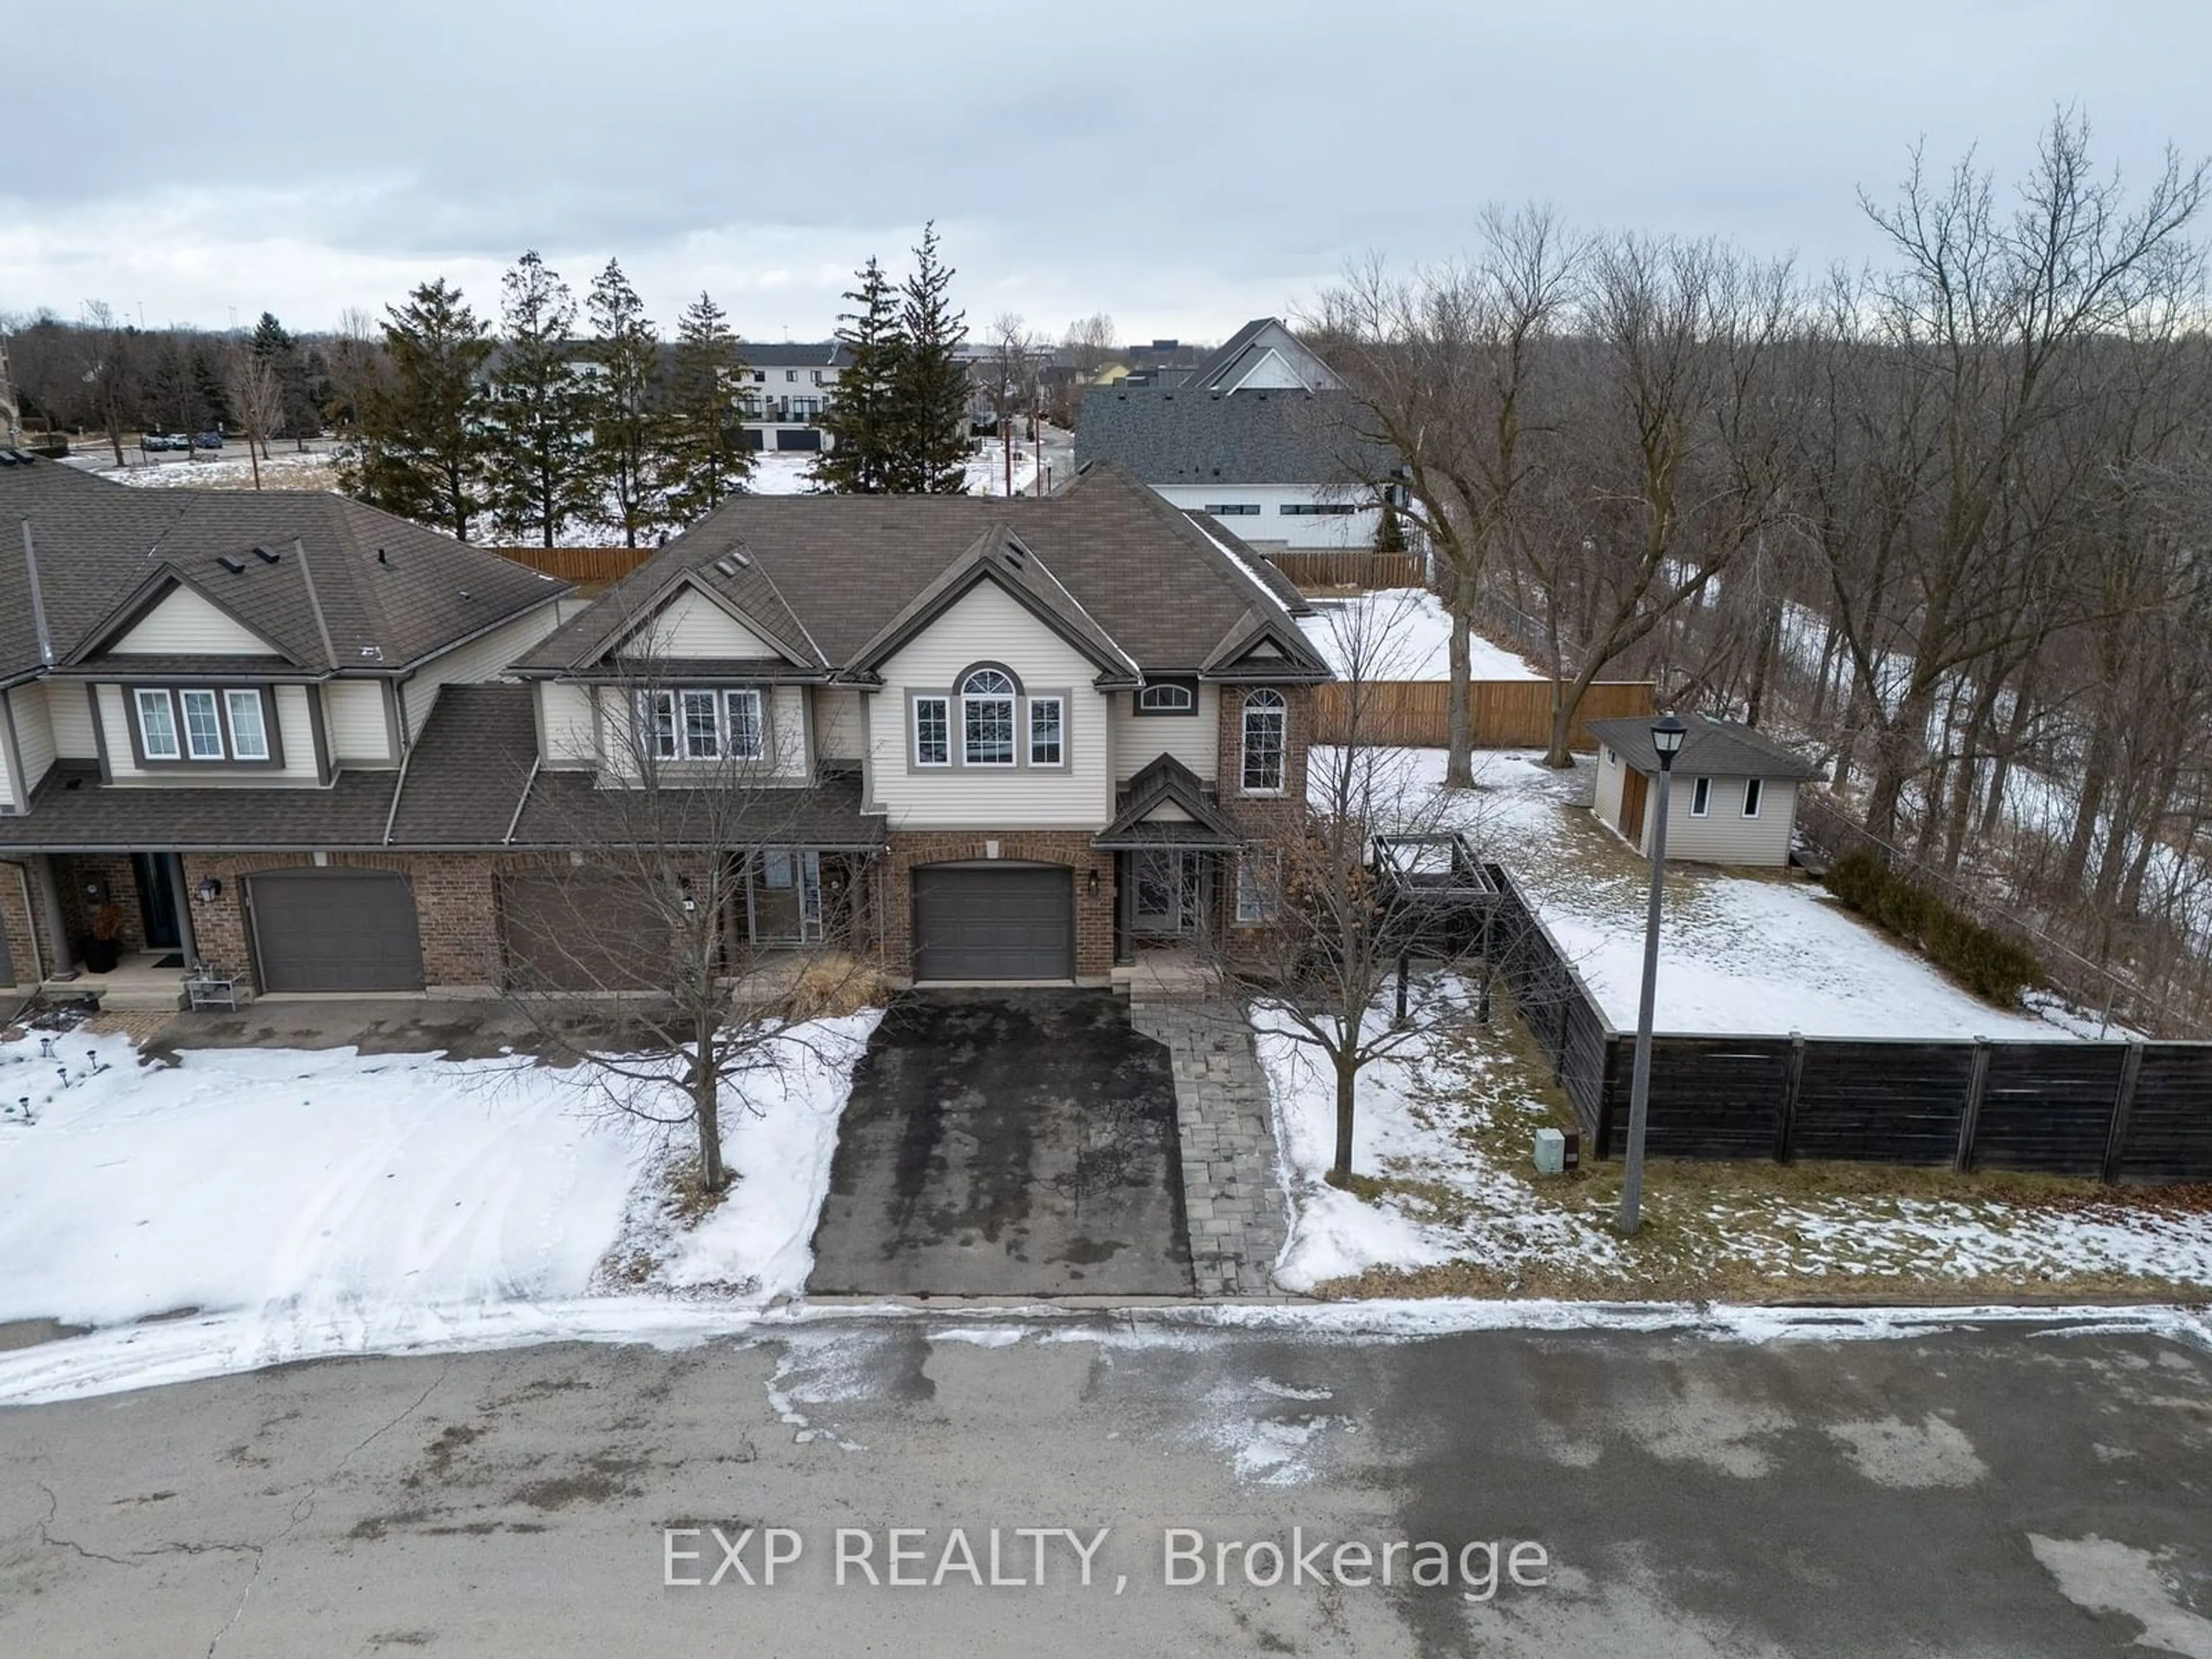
(157, 901)
(1167, 892)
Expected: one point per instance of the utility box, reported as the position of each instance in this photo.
(1551, 1153)
(1574, 1157)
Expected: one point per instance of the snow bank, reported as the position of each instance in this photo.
(1402, 634)
(294, 1203)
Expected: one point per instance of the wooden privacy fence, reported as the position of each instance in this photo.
(1324, 567)
(1501, 713)
(2123, 1111)
(578, 564)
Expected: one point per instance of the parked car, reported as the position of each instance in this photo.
(210, 440)
(160, 440)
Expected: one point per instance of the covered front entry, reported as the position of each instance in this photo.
(993, 921)
(335, 930)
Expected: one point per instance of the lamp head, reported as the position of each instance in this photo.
(1666, 735)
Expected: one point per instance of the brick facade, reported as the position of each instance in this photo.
(1263, 816)
(28, 951)
(454, 908)
(1094, 910)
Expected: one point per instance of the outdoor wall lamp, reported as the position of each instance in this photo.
(1090, 884)
(1666, 735)
(209, 890)
(683, 888)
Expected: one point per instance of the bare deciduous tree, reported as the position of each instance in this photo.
(686, 936)
(256, 399)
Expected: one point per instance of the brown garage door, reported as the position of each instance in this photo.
(335, 930)
(993, 923)
(575, 930)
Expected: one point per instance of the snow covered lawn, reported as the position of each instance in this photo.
(327, 1202)
(285, 469)
(1452, 1205)
(789, 472)
(1739, 953)
(1402, 634)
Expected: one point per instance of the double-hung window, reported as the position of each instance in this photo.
(203, 725)
(249, 730)
(744, 729)
(656, 715)
(1258, 878)
(986, 718)
(157, 726)
(1046, 745)
(1265, 722)
(932, 731)
(703, 733)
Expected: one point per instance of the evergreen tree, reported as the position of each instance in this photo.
(210, 391)
(540, 439)
(703, 457)
(859, 421)
(272, 344)
(423, 427)
(625, 421)
(1389, 532)
(929, 397)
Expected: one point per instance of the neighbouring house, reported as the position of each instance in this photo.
(1733, 797)
(1258, 435)
(323, 750)
(1027, 737)
(785, 390)
(235, 727)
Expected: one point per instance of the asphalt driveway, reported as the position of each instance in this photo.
(1006, 1144)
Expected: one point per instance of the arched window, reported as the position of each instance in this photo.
(1167, 697)
(1265, 722)
(987, 717)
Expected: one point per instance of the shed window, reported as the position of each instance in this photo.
(1753, 788)
(1701, 797)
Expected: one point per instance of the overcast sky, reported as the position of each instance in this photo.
(1182, 164)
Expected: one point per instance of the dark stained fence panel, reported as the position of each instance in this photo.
(2048, 1107)
(1710, 1097)
(1883, 1102)
(2170, 1123)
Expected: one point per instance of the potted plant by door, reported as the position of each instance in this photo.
(105, 948)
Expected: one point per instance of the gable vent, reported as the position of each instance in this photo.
(266, 555)
(231, 562)
(1014, 557)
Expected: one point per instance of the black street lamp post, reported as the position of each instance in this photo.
(1666, 735)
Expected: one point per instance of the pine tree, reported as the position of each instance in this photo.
(929, 399)
(859, 421)
(1389, 532)
(623, 403)
(423, 427)
(540, 439)
(273, 344)
(703, 451)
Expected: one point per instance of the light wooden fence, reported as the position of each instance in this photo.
(1320, 569)
(598, 565)
(1504, 713)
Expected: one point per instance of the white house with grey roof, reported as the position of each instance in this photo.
(786, 389)
(1734, 797)
(1258, 435)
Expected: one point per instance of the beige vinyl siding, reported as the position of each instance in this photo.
(837, 734)
(1140, 740)
(989, 625)
(186, 625)
(693, 625)
(1724, 836)
(12, 796)
(34, 731)
(783, 706)
(69, 712)
(294, 733)
(485, 657)
(1610, 773)
(566, 725)
(354, 714)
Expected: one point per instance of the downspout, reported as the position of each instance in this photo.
(38, 597)
(30, 923)
(399, 789)
(528, 784)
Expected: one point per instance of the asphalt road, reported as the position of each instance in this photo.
(2000, 1493)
